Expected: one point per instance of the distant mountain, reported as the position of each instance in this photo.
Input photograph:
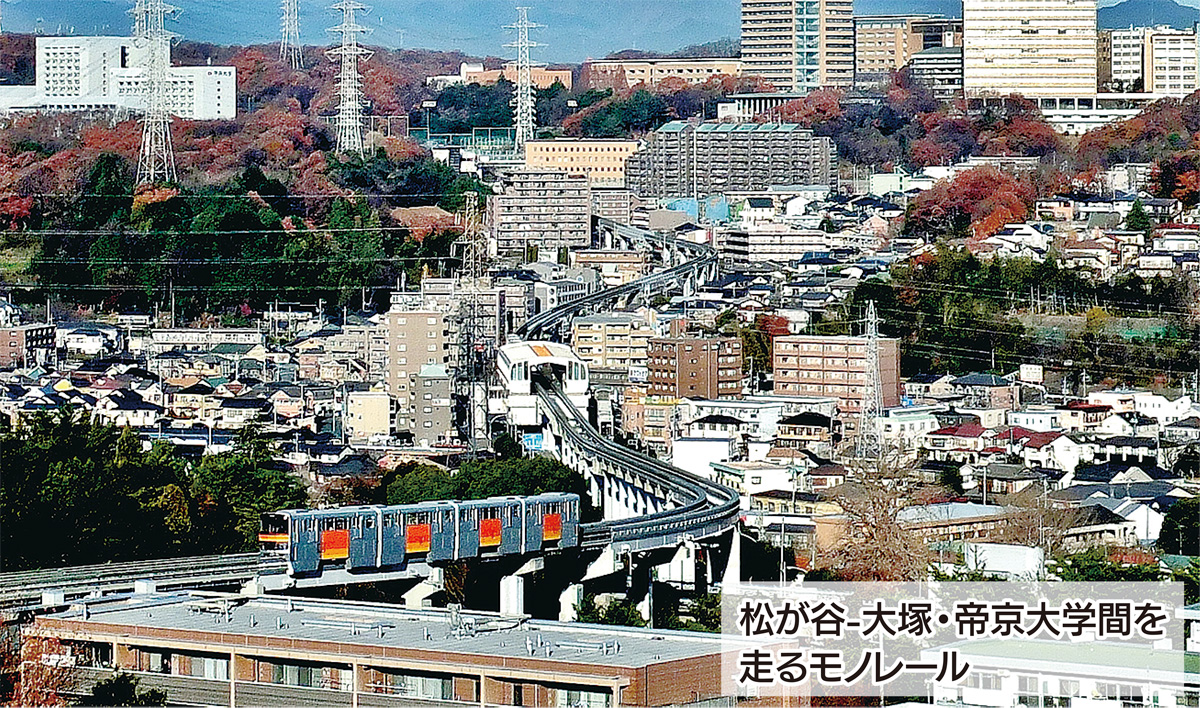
(1144, 13)
(575, 29)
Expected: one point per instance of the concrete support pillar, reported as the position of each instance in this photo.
(512, 595)
(733, 567)
(567, 601)
(681, 568)
(419, 595)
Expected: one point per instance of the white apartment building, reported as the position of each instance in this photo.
(105, 73)
(799, 45)
(1127, 56)
(776, 242)
(1037, 48)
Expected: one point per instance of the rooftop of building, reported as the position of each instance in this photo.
(346, 626)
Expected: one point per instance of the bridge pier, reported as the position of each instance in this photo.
(419, 595)
(512, 587)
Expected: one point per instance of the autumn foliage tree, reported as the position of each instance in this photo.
(976, 203)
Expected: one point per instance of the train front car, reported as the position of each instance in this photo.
(551, 520)
(273, 532)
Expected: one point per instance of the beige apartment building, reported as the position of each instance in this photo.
(811, 365)
(799, 45)
(886, 43)
(416, 339)
(615, 340)
(1036, 48)
(616, 73)
(1170, 62)
(603, 161)
(367, 414)
(695, 367)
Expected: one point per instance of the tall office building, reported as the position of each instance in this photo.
(107, 73)
(799, 45)
(1036, 48)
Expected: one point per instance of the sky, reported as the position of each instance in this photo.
(575, 29)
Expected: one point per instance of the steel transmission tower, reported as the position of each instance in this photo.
(476, 346)
(869, 446)
(289, 44)
(350, 96)
(156, 163)
(523, 102)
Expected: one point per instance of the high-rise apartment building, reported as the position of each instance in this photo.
(1036, 48)
(416, 339)
(1126, 57)
(812, 365)
(546, 208)
(683, 159)
(799, 45)
(695, 367)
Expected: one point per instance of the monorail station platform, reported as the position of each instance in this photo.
(521, 366)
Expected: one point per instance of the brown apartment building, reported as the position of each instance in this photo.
(20, 345)
(206, 649)
(695, 367)
(811, 365)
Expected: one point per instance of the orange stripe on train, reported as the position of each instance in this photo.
(335, 544)
(489, 532)
(551, 527)
(272, 538)
(417, 538)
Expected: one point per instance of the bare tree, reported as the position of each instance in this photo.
(1035, 522)
(875, 545)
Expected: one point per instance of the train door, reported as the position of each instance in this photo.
(468, 530)
(491, 527)
(418, 532)
(533, 523)
(305, 555)
(570, 522)
(392, 538)
(511, 526)
(364, 540)
(441, 542)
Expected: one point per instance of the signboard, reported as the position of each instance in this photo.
(532, 442)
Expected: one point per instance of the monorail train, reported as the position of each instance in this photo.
(367, 538)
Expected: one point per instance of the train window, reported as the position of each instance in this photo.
(370, 522)
(356, 522)
(418, 517)
(389, 520)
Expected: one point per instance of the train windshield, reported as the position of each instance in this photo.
(273, 531)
